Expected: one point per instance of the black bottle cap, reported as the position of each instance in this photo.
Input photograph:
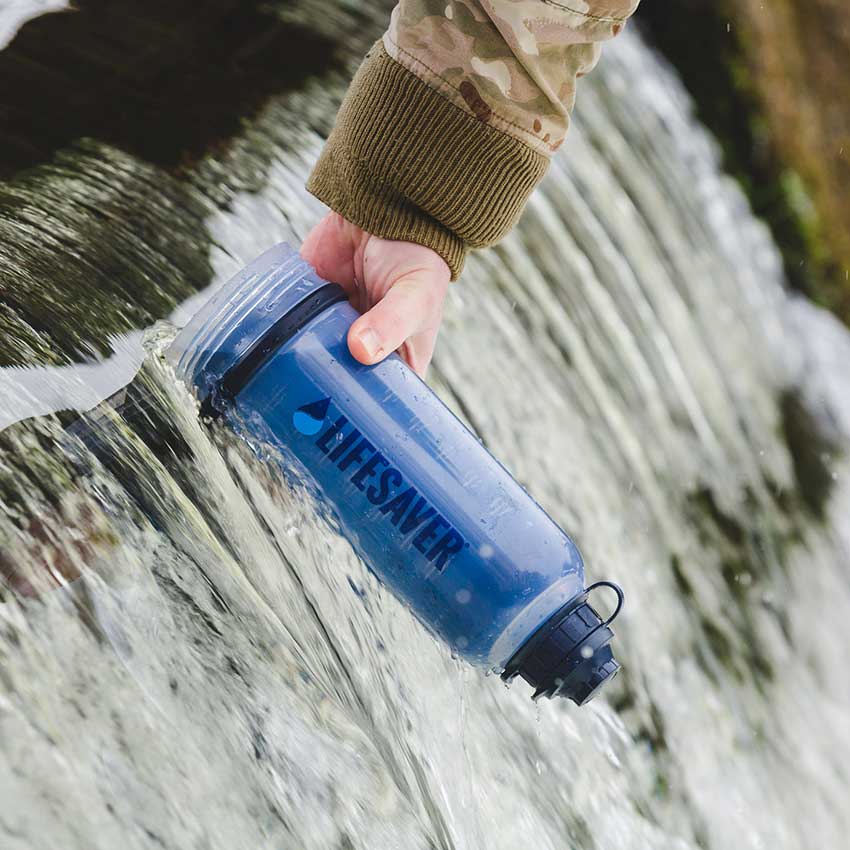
(569, 656)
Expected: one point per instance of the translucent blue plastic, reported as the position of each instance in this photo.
(424, 504)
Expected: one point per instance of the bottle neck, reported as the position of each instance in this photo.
(227, 387)
(266, 300)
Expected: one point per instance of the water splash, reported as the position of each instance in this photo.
(226, 673)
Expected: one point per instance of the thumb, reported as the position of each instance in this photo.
(412, 305)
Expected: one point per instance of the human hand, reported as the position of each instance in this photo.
(399, 287)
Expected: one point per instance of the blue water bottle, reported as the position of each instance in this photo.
(428, 509)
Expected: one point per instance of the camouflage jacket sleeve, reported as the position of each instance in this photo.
(450, 121)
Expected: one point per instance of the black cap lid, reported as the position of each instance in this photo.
(569, 655)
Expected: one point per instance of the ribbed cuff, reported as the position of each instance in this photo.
(405, 163)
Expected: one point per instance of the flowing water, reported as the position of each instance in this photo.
(227, 674)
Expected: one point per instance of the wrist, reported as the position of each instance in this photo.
(405, 163)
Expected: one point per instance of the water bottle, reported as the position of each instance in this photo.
(432, 514)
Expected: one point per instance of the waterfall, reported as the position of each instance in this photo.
(226, 673)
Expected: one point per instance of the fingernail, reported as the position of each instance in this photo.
(370, 340)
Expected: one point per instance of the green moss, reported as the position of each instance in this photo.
(705, 504)
(682, 582)
(751, 549)
(812, 453)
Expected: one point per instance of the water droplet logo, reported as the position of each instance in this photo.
(309, 419)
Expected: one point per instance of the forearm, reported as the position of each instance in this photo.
(512, 64)
(452, 118)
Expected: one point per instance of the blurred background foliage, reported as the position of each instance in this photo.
(772, 82)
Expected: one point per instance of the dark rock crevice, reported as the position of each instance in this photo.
(166, 82)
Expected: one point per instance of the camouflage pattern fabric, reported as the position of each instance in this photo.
(513, 64)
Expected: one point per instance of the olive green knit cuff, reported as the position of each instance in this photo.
(403, 162)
